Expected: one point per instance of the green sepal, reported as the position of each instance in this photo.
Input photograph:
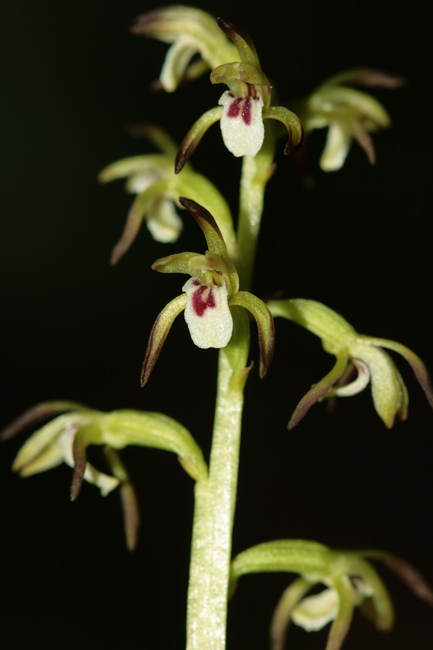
(128, 496)
(242, 40)
(135, 217)
(208, 225)
(154, 163)
(168, 23)
(292, 123)
(194, 135)
(336, 333)
(159, 333)
(319, 390)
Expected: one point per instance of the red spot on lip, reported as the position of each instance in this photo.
(243, 107)
(235, 107)
(247, 111)
(202, 299)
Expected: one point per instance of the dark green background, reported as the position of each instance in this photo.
(74, 328)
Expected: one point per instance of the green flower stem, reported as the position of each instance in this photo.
(215, 496)
(255, 174)
(215, 500)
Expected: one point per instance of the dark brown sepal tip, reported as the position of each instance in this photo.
(291, 149)
(80, 460)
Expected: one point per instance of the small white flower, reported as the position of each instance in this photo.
(207, 314)
(242, 124)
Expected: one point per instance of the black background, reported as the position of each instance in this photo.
(74, 328)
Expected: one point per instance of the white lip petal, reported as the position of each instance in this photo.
(336, 148)
(314, 612)
(242, 124)
(176, 61)
(207, 314)
(163, 222)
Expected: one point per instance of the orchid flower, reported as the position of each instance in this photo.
(352, 350)
(349, 582)
(244, 106)
(348, 114)
(208, 295)
(152, 179)
(190, 32)
(66, 438)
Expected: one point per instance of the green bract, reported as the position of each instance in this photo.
(353, 350)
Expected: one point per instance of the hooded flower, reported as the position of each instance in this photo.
(190, 32)
(66, 437)
(152, 179)
(244, 106)
(348, 579)
(349, 114)
(354, 351)
(208, 295)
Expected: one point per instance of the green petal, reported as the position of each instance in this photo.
(265, 325)
(195, 134)
(159, 333)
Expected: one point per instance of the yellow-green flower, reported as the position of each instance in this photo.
(349, 580)
(348, 113)
(208, 295)
(244, 106)
(66, 437)
(151, 177)
(190, 32)
(352, 350)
